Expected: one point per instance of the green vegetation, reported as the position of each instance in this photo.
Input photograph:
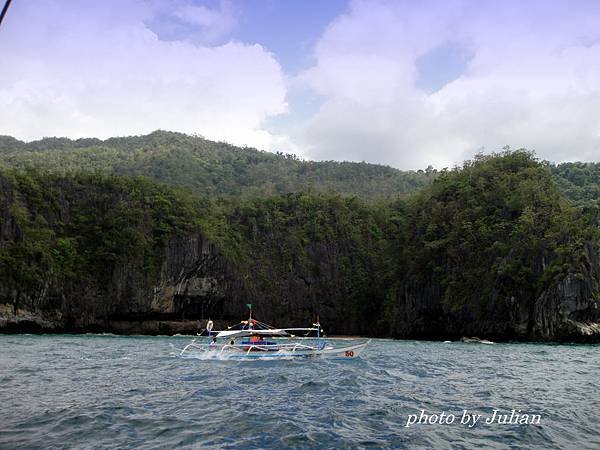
(76, 229)
(217, 168)
(494, 229)
(580, 182)
(495, 232)
(210, 168)
(327, 253)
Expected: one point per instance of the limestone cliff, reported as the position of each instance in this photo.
(95, 254)
(196, 282)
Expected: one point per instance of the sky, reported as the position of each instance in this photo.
(403, 83)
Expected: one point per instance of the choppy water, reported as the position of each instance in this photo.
(128, 392)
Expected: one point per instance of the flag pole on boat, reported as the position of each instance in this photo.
(318, 325)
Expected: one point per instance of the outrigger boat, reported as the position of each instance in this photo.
(252, 339)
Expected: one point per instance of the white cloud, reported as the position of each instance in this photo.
(84, 68)
(88, 68)
(533, 81)
(184, 20)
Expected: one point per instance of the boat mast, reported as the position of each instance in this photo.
(318, 333)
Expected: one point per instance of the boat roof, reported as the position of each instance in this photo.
(259, 332)
(253, 327)
(232, 333)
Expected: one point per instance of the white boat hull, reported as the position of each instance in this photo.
(207, 351)
(351, 351)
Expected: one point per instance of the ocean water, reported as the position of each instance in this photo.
(97, 391)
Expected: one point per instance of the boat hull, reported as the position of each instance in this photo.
(287, 352)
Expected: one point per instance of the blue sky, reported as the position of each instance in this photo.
(396, 82)
(290, 29)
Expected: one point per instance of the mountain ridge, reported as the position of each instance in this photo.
(208, 167)
(219, 168)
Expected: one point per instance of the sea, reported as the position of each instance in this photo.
(105, 391)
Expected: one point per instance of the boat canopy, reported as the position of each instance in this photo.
(236, 333)
(260, 332)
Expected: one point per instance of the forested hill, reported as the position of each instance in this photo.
(219, 168)
(210, 167)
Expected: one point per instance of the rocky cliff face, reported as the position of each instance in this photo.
(60, 270)
(70, 261)
(192, 285)
(567, 310)
(571, 308)
(196, 283)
